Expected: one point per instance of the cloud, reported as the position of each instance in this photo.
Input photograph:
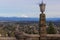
(24, 16)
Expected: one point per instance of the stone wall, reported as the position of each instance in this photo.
(25, 36)
(37, 38)
(53, 38)
(7, 38)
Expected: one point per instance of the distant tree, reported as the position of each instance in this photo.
(51, 29)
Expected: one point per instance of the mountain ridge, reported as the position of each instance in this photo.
(26, 19)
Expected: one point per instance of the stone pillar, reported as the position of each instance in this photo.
(42, 22)
(42, 25)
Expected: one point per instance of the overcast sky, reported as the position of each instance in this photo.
(28, 8)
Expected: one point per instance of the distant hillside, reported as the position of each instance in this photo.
(26, 19)
(53, 19)
(17, 19)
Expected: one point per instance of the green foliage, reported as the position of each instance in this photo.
(6, 30)
(31, 30)
(3, 32)
(12, 34)
(51, 29)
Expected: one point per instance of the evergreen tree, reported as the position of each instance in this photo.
(51, 29)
